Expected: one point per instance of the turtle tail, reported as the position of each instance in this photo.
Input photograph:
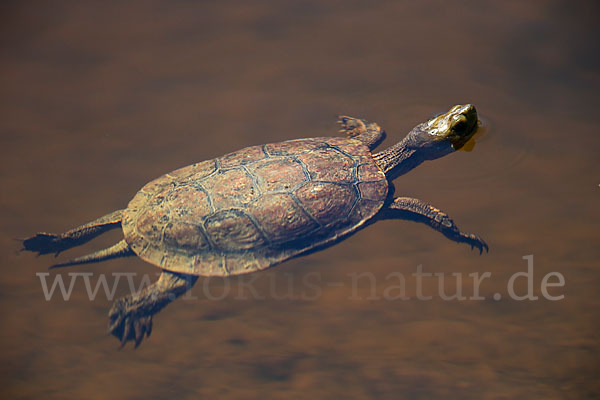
(120, 249)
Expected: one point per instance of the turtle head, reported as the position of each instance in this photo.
(445, 133)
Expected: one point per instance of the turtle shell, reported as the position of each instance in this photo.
(256, 207)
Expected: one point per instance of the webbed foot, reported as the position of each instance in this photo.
(45, 243)
(352, 126)
(369, 133)
(127, 323)
(474, 241)
(416, 210)
(131, 316)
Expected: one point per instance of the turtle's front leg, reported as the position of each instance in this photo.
(416, 210)
(131, 316)
(367, 132)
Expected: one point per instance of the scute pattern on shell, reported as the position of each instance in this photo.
(256, 207)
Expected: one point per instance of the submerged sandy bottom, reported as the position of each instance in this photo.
(96, 102)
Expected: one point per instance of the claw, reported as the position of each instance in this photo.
(481, 245)
(116, 318)
(126, 331)
(475, 242)
(127, 326)
(114, 324)
(140, 329)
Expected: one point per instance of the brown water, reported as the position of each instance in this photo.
(97, 99)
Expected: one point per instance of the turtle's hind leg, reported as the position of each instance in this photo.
(120, 249)
(45, 243)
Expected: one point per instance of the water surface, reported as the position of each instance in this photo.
(99, 99)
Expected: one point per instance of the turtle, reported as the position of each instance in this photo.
(257, 207)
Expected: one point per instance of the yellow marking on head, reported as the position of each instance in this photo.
(457, 125)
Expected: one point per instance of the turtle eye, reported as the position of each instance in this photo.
(460, 125)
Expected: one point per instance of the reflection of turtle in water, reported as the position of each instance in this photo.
(252, 209)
